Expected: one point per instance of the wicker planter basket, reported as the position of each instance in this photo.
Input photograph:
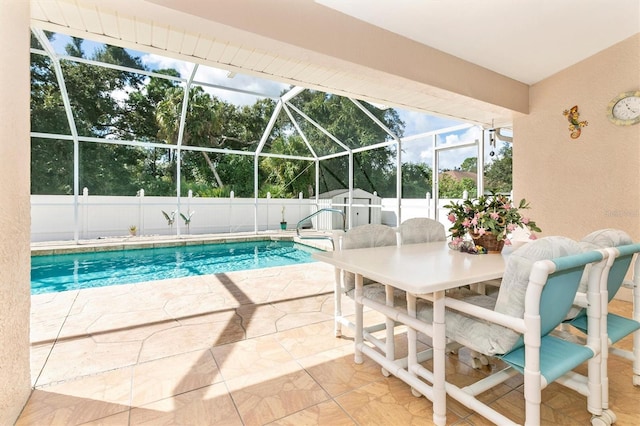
(489, 242)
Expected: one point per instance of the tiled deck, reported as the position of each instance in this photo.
(244, 348)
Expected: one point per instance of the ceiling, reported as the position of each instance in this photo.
(527, 40)
(416, 55)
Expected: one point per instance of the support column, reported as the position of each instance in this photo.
(15, 254)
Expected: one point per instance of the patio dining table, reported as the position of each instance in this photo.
(426, 271)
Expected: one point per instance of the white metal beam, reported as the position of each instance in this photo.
(299, 130)
(292, 93)
(267, 130)
(44, 42)
(374, 118)
(319, 127)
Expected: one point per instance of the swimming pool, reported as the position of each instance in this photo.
(62, 272)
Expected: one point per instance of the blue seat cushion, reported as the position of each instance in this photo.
(617, 326)
(557, 357)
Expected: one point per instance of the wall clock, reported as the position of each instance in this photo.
(624, 109)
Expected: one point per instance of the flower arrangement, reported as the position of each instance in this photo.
(489, 214)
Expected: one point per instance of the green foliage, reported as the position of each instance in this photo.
(373, 170)
(131, 106)
(452, 188)
(470, 164)
(416, 180)
(204, 190)
(276, 191)
(128, 105)
(51, 167)
(47, 109)
(498, 176)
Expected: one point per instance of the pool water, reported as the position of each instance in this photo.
(55, 273)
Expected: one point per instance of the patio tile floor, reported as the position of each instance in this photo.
(243, 348)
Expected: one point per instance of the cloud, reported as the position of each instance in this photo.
(419, 122)
(420, 150)
(156, 62)
(220, 77)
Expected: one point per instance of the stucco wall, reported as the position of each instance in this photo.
(14, 220)
(579, 185)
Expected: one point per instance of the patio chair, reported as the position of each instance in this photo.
(364, 236)
(612, 327)
(424, 230)
(537, 290)
(421, 230)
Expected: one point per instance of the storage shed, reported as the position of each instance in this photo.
(366, 208)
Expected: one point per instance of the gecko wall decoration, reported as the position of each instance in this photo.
(575, 125)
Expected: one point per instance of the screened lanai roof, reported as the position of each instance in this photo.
(318, 142)
(236, 88)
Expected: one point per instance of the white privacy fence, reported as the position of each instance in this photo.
(55, 217)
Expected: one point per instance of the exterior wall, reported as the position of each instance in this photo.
(14, 220)
(576, 186)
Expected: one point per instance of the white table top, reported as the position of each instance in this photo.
(418, 268)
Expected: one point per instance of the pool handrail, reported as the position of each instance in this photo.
(321, 237)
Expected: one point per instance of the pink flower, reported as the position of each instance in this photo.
(533, 236)
(482, 231)
(466, 223)
(452, 217)
(474, 221)
(494, 215)
(525, 220)
(511, 227)
(507, 242)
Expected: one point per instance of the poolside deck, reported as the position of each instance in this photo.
(149, 241)
(243, 348)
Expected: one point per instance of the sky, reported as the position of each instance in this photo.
(414, 151)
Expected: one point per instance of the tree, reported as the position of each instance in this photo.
(373, 170)
(96, 112)
(210, 123)
(470, 164)
(139, 120)
(498, 176)
(116, 104)
(51, 160)
(416, 180)
(452, 188)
